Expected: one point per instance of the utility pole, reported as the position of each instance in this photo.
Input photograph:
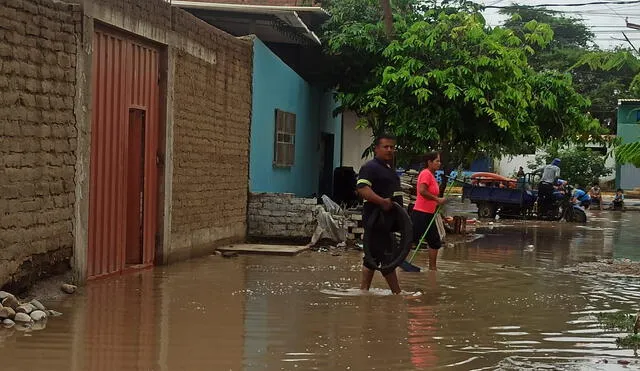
(632, 26)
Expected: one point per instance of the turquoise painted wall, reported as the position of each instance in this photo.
(277, 86)
(628, 176)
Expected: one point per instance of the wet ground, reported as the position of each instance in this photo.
(499, 302)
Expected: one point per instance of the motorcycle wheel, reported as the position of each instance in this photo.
(579, 216)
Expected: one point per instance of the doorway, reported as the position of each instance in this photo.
(326, 164)
(125, 130)
(135, 187)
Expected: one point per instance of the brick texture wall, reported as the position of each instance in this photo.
(37, 137)
(212, 114)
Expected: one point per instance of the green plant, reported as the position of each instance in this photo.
(622, 322)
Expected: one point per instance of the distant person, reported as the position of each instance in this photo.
(580, 197)
(379, 184)
(561, 186)
(520, 172)
(618, 200)
(427, 203)
(595, 194)
(549, 175)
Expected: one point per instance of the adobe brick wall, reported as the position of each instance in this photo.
(37, 138)
(212, 115)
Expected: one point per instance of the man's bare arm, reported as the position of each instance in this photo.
(368, 194)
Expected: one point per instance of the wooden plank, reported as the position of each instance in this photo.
(264, 249)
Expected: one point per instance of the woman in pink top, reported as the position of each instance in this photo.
(425, 207)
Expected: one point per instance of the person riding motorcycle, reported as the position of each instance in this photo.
(549, 175)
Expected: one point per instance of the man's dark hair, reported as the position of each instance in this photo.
(383, 136)
(431, 156)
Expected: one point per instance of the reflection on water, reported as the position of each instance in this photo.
(497, 303)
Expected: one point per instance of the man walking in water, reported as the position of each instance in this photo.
(550, 173)
(379, 185)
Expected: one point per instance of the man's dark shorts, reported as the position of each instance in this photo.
(382, 239)
(420, 221)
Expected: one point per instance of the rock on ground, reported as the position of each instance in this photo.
(69, 289)
(38, 305)
(53, 313)
(7, 312)
(25, 308)
(8, 323)
(3, 294)
(10, 301)
(22, 317)
(38, 315)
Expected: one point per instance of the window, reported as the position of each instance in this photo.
(285, 139)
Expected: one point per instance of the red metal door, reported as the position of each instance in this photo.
(125, 77)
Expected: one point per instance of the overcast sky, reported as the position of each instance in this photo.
(607, 21)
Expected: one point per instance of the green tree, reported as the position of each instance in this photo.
(571, 42)
(628, 153)
(580, 166)
(447, 81)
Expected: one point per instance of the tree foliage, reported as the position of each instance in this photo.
(580, 166)
(446, 80)
(628, 153)
(572, 42)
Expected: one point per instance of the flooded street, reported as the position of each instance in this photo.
(498, 302)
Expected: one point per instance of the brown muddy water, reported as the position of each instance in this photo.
(499, 302)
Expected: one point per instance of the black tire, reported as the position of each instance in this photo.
(406, 239)
(579, 216)
(486, 210)
(569, 215)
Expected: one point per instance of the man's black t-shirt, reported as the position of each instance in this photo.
(382, 179)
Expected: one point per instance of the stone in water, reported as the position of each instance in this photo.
(38, 315)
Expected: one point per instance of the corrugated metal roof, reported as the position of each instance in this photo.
(291, 17)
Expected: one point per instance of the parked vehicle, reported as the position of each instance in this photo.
(516, 198)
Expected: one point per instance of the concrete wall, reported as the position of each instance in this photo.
(628, 131)
(37, 138)
(277, 86)
(354, 142)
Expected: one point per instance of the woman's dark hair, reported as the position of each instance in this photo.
(383, 136)
(431, 156)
